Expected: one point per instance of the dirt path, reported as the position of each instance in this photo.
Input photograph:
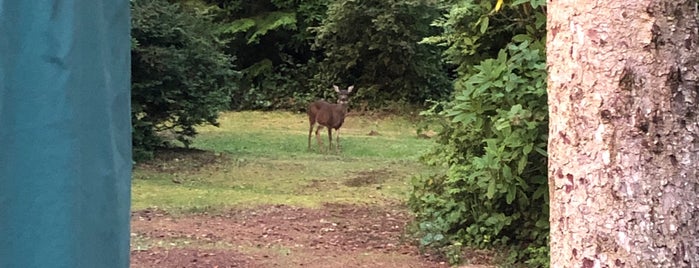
(279, 236)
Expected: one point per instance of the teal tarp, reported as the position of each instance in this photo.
(65, 133)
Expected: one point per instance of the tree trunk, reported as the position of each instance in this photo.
(624, 133)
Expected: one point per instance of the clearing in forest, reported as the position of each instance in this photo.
(249, 194)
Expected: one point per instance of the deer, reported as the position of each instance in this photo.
(329, 115)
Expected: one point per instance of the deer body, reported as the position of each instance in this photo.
(329, 115)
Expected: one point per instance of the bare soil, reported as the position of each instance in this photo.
(280, 236)
(334, 235)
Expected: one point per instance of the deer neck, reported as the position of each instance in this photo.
(342, 107)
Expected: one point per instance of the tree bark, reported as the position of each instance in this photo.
(624, 133)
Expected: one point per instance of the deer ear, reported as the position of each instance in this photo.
(349, 89)
(337, 89)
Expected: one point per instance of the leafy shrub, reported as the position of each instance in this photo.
(180, 76)
(494, 190)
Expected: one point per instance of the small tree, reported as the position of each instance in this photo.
(180, 77)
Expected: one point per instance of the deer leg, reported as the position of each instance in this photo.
(330, 139)
(310, 131)
(337, 139)
(320, 142)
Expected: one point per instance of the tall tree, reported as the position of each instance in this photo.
(624, 133)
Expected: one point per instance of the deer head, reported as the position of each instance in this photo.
(343, 94)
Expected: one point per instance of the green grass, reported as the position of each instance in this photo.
(260, 158)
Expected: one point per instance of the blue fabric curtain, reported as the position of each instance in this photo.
(65, 133)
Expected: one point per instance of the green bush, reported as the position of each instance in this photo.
(180, 76)
(494, 191)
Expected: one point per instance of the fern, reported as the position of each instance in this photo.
(260, 25)
(241, 25)
(272, 21)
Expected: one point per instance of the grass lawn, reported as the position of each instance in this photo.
(261, 158)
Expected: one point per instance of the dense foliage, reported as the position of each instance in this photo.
(494, 191)
(290, 52)
(375, 45)
(180, 76)
(272, 44)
